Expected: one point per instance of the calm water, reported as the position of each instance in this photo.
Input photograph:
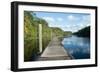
(78, 47)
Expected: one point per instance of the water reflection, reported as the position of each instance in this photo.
(78, 47)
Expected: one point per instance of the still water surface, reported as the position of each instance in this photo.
(78, 47)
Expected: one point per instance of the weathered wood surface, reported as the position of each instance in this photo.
(54, 51)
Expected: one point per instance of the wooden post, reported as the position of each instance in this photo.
(51, 34)
(40, 38)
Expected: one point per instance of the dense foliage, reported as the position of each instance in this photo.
(31, 34)
(85, 32)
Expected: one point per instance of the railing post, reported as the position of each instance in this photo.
(51, 34)
(40, 38)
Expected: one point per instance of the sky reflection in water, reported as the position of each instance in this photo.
(78, 47)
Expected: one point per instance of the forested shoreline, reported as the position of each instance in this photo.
(85, 32)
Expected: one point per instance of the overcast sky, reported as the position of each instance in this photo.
(66, 21)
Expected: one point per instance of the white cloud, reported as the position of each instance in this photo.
(59, 19)
(71, 17)
(49, 19)
(69, 28)
(83, 25)
(88, 25)
(74, 27)
(80, 25)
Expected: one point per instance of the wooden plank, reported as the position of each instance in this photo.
(55, 51)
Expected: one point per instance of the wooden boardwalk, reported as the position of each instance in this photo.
(54, 51)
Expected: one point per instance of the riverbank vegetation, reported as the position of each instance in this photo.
(85, 32)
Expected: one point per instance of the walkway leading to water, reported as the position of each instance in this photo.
(54, 51)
